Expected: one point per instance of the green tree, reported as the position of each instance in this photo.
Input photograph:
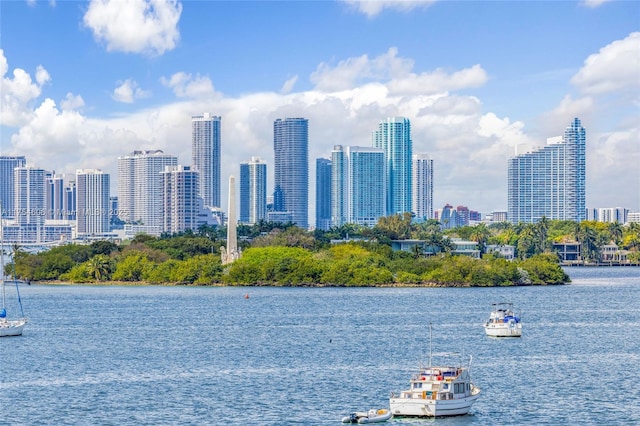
(99, 267)
(395, 227)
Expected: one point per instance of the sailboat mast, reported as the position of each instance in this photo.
(430, 344)
(2, 258)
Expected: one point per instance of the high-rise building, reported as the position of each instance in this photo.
(54, 196)
(253, 191)
(69, 201)
(29, 195)
(613, 214)
(7, 187)
(394, 137)
(550, 181)
(92, 192)
(448, 217)
(323, 194)
(180, 200)
(422, 186)
(291, 168)
(358, 185)
(139, 189)
(206, 154)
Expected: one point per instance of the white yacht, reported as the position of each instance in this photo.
(436, 391)
(503, 321)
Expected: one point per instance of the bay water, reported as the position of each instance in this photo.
(146, 355)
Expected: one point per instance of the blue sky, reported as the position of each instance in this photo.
(86, 82)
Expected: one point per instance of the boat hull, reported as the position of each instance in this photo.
(11, 328)
(418, 407)
(503, 330)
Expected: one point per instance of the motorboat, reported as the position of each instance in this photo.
(440, 390)
(371, 416)
(503, 321)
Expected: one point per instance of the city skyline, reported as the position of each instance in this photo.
(77, 94)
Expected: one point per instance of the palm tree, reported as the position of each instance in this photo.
(541, 232)
(99, 266)
(615, 229)
(480, 234)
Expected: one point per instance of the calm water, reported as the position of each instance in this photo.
(165, 355)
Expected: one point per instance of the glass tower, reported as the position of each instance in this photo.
(423, 186)
(7, 187)
(323, 194)
(253, 191)
(205, 151)
(550, 181)
(394, 137)
(291, 155)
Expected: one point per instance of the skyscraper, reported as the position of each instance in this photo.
(423, 186)
(7, 187)
(253, 191)
(29, 195)
(139, 188)
(550, 181)
(180, 199)
(54, 195)
(205, 151)
(323, 194)
(291, 168)
(394, 137)
(92, 192)
(358, 185)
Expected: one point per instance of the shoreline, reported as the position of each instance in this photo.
(392, 285)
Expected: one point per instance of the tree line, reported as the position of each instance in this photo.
(283, 254)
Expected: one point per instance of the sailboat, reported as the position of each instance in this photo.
(8, 327)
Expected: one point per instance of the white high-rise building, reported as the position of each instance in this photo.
(423, 186)
(92, 202)
(181, 203)
(613, 214)
(253, 191)
(29, 195)
(140, 189)
(549, 182)
(206, 153)
(357, 185)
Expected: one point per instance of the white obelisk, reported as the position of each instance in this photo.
(232, 237)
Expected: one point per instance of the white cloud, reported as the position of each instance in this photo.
(615, 68)
(128, 91)
(397, 72)
(287, 87)
(72, 102)
(358, 70)
(18, 92)
(135, 26)
(438, 81)
(468, 143)
(372, 8)
(186, 86)
(594, 3)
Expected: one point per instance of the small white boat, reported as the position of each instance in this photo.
(503, 321)
(436, 391)
(371, 416)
